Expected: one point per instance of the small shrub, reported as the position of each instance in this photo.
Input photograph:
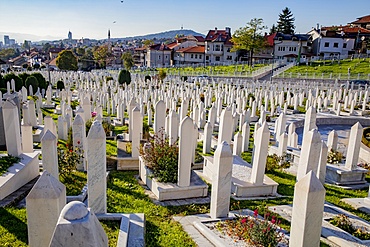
(251, 229)
(342, 221)
(60, 85)
(108, 78)
(162, 74)
(275, 162)
(334, 157)
(124, 77)
(68, 160)
(162, 158)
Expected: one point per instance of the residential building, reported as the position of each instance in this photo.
(53, 52)
(267, 52)
(363, 22)
(331, 44)
(190, 55)
(290, 47)
(218, 47)
(139, 56)
(158, 55)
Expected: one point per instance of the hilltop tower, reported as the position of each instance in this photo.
(69, 35)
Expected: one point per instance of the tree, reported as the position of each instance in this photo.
(60, 85)
(24, 77)
(41, 80)
(66, 60)
(148, 42)
(8, 78)
(124, 77)
(46, 47)
(101, 55)
(285, 23)
(128, 60)
(32, 81)
(162, 74)
(6, 54)
(273, 29)
(249, 38)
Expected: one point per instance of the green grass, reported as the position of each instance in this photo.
(358, 66)
(219, 69)
(13, 227)
(121, 129)
(111, 148)
(74, 182)
(125, 195)
(6, 162)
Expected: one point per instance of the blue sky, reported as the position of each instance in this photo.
(92, 18)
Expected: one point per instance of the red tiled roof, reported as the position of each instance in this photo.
(364, 19)
(159, 47)
(55, 50)
(218, 35)
(199, 38)
(355, 30)
(172, 45)
(140, 49)
(270, 39)
(193, 49)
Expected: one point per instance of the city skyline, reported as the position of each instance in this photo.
(50, 20)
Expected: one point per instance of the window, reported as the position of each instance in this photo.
(207, 57)
(200, 56)
(295, 48)
(229, 58)
(196, 56)
(166, 57)
(159, 57)
(218, 59)
(326, 44)
(217, 47)
(222, 47)
(336, 45)
(344, 45)
(228, 49)
(191, 55)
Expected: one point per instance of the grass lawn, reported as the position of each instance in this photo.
(357, 66)
(219, 69)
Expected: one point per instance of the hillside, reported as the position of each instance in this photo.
(163, 35)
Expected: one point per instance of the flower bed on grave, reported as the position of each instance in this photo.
(342, 221)
(158, 162)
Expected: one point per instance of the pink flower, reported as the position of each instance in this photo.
(273, 220)
(255, 212)
(244, 220)
(93, 114)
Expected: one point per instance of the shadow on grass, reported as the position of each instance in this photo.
(15, 226)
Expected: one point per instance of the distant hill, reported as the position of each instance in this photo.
(163, 35)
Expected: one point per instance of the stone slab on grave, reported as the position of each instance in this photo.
(331, 233)
(50, 105)
(339, 175)
(19, 174)
(171, 191)
(241, 174)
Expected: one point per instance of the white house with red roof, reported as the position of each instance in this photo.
(218, 47)
(363, 22)
(189, 55)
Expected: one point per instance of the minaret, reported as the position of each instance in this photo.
(109, 44)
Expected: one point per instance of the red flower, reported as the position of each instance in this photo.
(273, 220)
(255, 212)
(78, 142)
(244, 220)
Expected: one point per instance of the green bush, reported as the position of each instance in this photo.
(41, 80)
(162, 74)
(162, 158)
(32, 81)
(36, 66)
(108, 78)
(334, 157)
(124, 77)
(60, 85)
(275, 162)
(24, 77)
(9, 77)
